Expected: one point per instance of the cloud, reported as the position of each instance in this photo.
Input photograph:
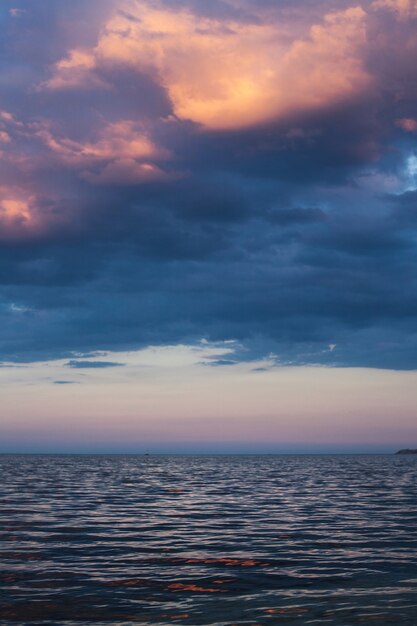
(404, 9)
(120, 140)
(122, 152)
(18, 212)
(126, 171)
(15, 12)
(219, 362)
(14, 208)
(155, 195)
(408, 124)
(75, 71)
(227, 74)
(4, 137)
(92, 364)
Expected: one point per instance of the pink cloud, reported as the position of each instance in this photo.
(17, 12)
(4, 137)
(404, 9)
(126, 171)
(122, 152)
(18, 213)
(5, 116)
(408, 124)
(75, 71)
(122, 139)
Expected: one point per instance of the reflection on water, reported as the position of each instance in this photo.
(208, 540)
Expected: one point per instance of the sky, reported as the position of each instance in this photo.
(208, 220)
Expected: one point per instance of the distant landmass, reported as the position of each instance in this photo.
(407, 451)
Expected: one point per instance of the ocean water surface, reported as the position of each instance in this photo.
(208, 540)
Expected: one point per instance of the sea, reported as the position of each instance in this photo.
(208, 540)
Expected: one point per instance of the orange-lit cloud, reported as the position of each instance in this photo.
(75, 71)
(6, 119)
(11, 130)
(408, 124)
(122, 151)
(16, 211)
(226, 74)
(4, 137)
(404, 9)
(126, 171)
(121, 140)
(6, 116)
(10, 120)
(27, 212)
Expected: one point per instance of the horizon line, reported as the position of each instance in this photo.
(147, 454)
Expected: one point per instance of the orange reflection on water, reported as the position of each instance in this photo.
(191, 587)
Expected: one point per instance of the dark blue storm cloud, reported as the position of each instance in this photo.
(124, 223)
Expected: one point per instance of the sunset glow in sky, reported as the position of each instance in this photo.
(208, 225)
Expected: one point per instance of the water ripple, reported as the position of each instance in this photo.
(208, 540)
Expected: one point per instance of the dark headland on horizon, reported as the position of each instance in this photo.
(407, 451)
